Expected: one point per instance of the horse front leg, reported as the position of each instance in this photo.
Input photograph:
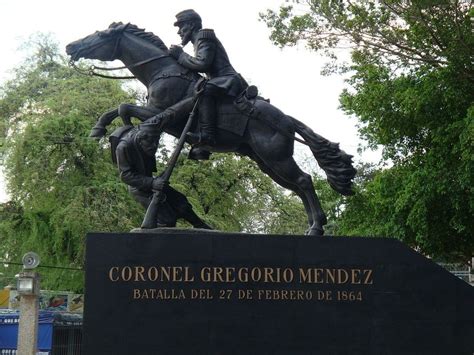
(127, 111)
(99, 130)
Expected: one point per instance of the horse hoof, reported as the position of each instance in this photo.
(315, 232)
(97, 132)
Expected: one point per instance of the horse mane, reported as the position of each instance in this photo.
(140, 32)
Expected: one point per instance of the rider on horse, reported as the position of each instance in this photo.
(270, 138)
(210, 58)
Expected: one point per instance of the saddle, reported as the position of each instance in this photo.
(233, 114)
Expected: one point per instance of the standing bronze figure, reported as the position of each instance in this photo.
(247, 124)
(133, 151)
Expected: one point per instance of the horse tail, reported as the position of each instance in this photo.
(336, 163)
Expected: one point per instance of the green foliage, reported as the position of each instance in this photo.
(412, 91)
(62, 183)
(424, 120)
(413, 205)
(428, 32)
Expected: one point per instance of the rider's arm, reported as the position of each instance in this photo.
(205, 51)
(128, 173)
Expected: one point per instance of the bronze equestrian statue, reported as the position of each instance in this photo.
(247, 124)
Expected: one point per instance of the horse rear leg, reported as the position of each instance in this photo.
(288, 171)
(293, 187)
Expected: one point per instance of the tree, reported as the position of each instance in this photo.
(412, 91)
(62, 183)
(435, 33)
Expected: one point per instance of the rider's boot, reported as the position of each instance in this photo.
(207, 121)
(199, 153)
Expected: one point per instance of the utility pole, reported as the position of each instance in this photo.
(28, 288)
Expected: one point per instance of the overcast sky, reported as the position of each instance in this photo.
(289, 77)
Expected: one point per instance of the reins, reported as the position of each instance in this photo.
(92, 69)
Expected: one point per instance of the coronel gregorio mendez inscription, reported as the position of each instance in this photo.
(243, 283)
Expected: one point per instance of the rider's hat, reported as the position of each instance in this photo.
(150, 129)
(187, 15)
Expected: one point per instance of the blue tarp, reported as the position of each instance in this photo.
(9, 331)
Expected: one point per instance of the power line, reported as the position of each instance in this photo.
(43, 266)
(64, 138)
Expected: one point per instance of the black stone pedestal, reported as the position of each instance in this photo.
(223, 294)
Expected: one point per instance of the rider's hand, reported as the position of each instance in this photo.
(158, 184)
(175, 51)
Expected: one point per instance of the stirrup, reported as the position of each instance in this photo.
(199, 139)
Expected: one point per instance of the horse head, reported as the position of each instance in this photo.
(102, 45)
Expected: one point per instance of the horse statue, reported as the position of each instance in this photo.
(258, 130)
